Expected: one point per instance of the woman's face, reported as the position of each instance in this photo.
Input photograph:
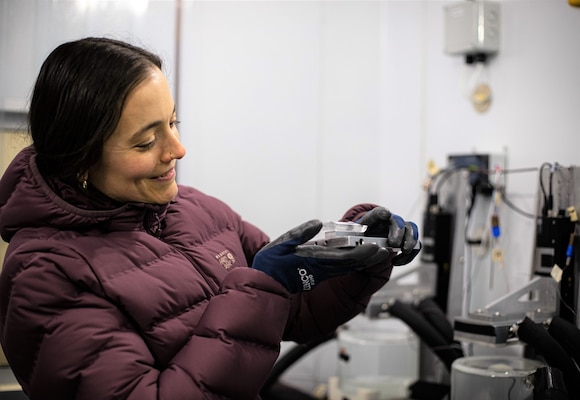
(138, 161)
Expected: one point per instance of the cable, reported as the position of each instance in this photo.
(546, 206)
(286, 360)
(441, 177)
(563, 302)
(513, 384)
(513, 207)
(551, 188)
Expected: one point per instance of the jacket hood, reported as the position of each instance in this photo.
(28, 200)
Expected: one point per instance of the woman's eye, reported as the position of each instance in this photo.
(145, 146)
(173, 124)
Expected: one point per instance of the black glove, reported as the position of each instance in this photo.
(399, 233)
(300, 267)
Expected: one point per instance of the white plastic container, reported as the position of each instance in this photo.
(492, 378)
(377, 358)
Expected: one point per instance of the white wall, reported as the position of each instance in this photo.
(285, 111)
(31, 29)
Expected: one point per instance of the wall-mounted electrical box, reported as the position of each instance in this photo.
(472, 27)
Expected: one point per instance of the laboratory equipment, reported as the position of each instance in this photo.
(493, 377)
(554, 284)
(542, 315)
(378, 359)
(413, 295)
(462, 216)
(472, 27)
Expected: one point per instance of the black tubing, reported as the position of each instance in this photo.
(435, 315)
(568, 335)
(286, 360)
(419, 324)
(538, 337)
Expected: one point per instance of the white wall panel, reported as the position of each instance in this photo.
(249, 107)
(31, 29)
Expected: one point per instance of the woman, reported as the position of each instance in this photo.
(118, 283)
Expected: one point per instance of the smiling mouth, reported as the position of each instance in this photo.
(165, 175)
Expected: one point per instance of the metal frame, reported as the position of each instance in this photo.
(494, 324)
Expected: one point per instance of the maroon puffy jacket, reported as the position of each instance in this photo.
(139, 301)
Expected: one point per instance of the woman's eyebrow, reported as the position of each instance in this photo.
(146, 128)
(149, 126)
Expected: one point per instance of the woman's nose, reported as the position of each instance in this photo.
(178, 151)
(174, 149)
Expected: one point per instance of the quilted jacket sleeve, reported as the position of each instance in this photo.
(84, 347)
(318, 313)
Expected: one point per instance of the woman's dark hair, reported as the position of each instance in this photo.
(78, 99)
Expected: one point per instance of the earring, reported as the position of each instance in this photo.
(83, 180)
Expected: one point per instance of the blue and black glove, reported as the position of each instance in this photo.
(300, 267)
(401, 234)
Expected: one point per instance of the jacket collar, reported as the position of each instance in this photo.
(29, 200)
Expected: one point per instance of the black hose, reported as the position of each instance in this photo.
(419, 324)
(435, 315)
(568, 335)
(538, 337)
(287, 359)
